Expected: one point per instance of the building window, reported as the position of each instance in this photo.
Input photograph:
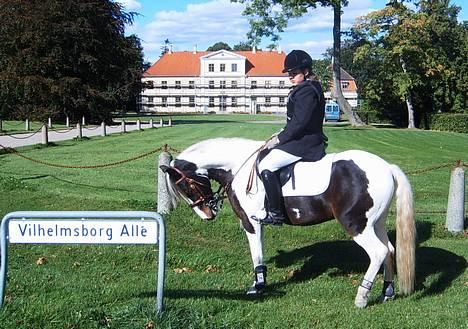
(177, 101)
(268, 101)
(344, 84)
(191, 84)
(192, 101)
(177, 84)
(234, 84)
(253, 84)
(164, 101)
(211, 103)
(281, 84)
(234, 67)
(222, 67)
(211, 84)
(164, 84)
(150, 99)
(268, 84)
(281, 101)
(233, 101)
(222, 84)
(210, 67)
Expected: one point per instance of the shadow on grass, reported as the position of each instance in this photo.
(342, 258)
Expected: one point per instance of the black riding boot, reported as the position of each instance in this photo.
(273, 193)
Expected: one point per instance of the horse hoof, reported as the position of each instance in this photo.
(253, 291)
(360, 302)
(384, 298)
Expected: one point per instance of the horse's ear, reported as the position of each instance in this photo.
(170, 170)
(164, 168)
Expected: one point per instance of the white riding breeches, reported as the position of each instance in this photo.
(275, 160)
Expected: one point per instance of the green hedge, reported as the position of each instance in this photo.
(450, 122)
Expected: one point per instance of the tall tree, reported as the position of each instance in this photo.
(66, 57)
(416, 51)
(219, 46)
(270, 17)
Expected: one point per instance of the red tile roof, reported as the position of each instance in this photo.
(186, 63)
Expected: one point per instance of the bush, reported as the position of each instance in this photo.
(450, 122)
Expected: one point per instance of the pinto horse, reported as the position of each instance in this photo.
(360, 190)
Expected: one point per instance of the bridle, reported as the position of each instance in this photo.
(194, 187)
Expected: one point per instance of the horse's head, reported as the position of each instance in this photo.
(193, 187)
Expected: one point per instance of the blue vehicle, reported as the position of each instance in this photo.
(332, 111)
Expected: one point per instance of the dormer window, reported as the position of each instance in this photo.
(210, 67)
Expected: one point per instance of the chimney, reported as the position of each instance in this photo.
(195, 49)
(170, 48)
(254, 49)
(279, 49)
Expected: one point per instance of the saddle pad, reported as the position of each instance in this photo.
(311, 178)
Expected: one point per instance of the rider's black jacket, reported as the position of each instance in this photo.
(303, 134)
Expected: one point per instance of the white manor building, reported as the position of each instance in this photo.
(221, 82)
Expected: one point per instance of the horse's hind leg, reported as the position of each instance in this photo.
(388, 291)
(377, 252)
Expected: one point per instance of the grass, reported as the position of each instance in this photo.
(313, 272)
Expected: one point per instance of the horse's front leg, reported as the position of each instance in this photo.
(256, 252)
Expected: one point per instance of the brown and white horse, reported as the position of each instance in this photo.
(359, 194)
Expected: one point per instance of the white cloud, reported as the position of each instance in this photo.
(200, 24)
(130, 4)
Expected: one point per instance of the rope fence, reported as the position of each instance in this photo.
(24, 137)
(164, 148)
(455, 208)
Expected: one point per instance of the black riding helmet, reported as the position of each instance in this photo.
(297, 59)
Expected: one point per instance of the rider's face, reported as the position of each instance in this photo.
(296, 77)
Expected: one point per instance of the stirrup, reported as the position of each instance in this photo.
(270, 220)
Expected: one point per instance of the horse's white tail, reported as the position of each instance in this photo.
(405, 232)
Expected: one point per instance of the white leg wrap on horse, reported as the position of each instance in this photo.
(362, 296)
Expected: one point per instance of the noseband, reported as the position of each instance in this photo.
(214, 202)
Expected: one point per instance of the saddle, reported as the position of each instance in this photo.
(303, 178)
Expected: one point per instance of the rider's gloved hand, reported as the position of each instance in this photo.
(272, 142)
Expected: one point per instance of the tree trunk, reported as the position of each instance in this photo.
(408, 98)
(337, 92)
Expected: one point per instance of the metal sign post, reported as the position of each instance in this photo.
(84, 227)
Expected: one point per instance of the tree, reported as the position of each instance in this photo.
(270, 17)
(66, 58)
(219, 46)
(242, 46)
(416, 51)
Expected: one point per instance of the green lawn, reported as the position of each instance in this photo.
(313, 272)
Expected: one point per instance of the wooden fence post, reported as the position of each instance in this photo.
(45, 137)
(67, 122)
(79, 131)
(456, 200)
(123, 126)
(170, 122)
(164, 203)
(49, 123)
(161, 123)
(83, 121)
(27, 126)
(103, 129)
(138, 122)
(151, 123)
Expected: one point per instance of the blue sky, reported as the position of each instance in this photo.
(201, 23)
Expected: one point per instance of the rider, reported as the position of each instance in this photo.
(301, 138)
